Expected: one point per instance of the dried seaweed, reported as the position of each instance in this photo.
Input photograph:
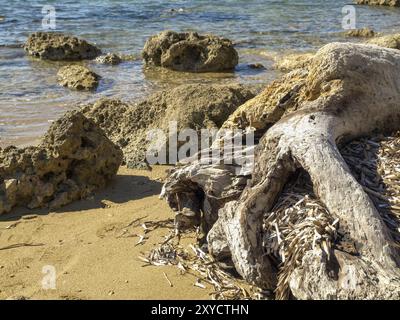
(375, 163)
(299, 221)
(194, 261)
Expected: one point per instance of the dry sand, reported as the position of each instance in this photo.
(93, 251)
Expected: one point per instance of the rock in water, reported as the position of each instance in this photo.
(361, 33)
(191, 106)
(109, 58)
(256, 66)
(57, 46)
(190, 52)
(391, 3)
(78, 77)
(73, 159)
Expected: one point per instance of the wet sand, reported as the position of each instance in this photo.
(92, 247)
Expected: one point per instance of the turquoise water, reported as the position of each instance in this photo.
(30, 96)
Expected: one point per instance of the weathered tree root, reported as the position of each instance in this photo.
(346, 91)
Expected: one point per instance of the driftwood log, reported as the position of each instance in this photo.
(344, 92)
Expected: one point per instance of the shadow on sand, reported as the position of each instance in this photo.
(122, 189)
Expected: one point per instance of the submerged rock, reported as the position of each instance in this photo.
(73, 159)
(391, 3)
(109, 58)
(361, 33)
(391, 41)
(190, 52)
(256, 66)
(78, 77)
(194, 106)
(57, 46)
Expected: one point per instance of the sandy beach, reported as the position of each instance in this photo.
(94, 252)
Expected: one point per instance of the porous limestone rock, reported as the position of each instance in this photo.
(78, 77)
(58, 46)
(391, 3)
(391, 41)
(190, 52)
(73, 159)
(109, 58)
(193, 106)
(361, 33)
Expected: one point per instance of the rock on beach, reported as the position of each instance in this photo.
(74, 159)
(193, 106)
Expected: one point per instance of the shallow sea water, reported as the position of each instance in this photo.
(30, 97)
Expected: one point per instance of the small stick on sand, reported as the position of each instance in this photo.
(18, 245)
(200, 285)
(13, 225)
(141, 240)
(169, 282)
(135, 221)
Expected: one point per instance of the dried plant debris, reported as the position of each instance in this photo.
(299, 221)
(163, 255)
(193, 260)
(375, 163)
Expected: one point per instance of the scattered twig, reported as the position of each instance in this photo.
(169, 282)
(24, 244)
(199, 284)
(141, 240)
(11, 226)
(135, 221)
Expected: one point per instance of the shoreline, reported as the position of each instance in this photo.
(159, 80)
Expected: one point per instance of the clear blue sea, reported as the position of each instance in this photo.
(30, 97)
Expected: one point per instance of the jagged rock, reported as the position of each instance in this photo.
(78, 77)
(109, 58)
(57, 46)
(194, 106)
(391, 3)
(391, 41)
(190, 52)
(73, 159)
(361, 33)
